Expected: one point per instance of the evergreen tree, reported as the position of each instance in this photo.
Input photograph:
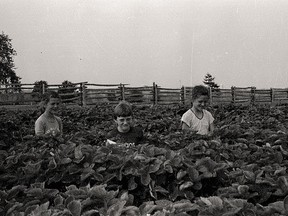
(209, 81)
(7, 66)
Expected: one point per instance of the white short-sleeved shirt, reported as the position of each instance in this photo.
(45, 126)
(196, 124)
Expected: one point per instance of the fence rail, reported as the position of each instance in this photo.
(85, 93)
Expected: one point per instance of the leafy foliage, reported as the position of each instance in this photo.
(241, 170)
(67, 91)
(7, 66)
(40, 87)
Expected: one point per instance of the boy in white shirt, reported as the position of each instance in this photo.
(198, 119)
(48, 124)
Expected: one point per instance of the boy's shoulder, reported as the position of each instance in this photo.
(41, 118)
(58, 118)
(207, 112)
(208, 115)
(188, 113)
(137, 129)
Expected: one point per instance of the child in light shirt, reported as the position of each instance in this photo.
(48, 124)
(197, 118)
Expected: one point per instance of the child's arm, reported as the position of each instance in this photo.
(211, 129)
(185, 127)
(60, 126)
(39, 128)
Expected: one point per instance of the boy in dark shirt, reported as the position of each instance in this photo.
(125, 133)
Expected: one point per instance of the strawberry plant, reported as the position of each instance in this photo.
(241, 170)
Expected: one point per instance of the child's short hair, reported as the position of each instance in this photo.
(123, 109)
(198, 91)
(49, 94)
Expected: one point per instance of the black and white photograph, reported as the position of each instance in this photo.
(143, 107)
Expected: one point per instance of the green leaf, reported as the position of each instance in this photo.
(110, 195)
(250, 176)
(197, 186)
(65, 161)
(14, 191)
(131, 211)
(14, 207)
(91, 213)
(42, 210)
(193, 174)
(163, 203)
(74, 207)
(286, 203)
(181, 174)
(55, 178)
(58, 200)
(98, 191)
(283, 183)
(132, 184)
(147, 207)
(34, 192)
(38, 185)
(155, 166)
(243, 189)
(160, 189)
(52, 164)
(145, 179)
(32, 168)
(78, 153)
(168, 168)
(68, 200)
(124, 196)
(185, 185)
(116, 209)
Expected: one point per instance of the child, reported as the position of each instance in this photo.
(125, 132)
(198, 119)
(48, 124)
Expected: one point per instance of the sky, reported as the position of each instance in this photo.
(170, 42)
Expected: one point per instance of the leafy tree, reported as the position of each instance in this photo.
(40, 87)
(209, 81)
(7, 66)
(67, 90)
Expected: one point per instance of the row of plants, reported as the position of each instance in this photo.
(241, 170)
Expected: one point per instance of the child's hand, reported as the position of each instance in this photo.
(110, 142)
(53, 133)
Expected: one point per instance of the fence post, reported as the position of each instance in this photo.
(233, 94)
(183, 94)
(155, 94)
(253, 99)
(83, 94)
(122, 91)
(272, 95)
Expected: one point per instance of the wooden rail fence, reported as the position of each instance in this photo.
(85, 93)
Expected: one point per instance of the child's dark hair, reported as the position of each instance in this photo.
(49, 94)
(198, 91)
(123, 109)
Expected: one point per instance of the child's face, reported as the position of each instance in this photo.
(53, 105)
(124, 123)
(200, 102)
